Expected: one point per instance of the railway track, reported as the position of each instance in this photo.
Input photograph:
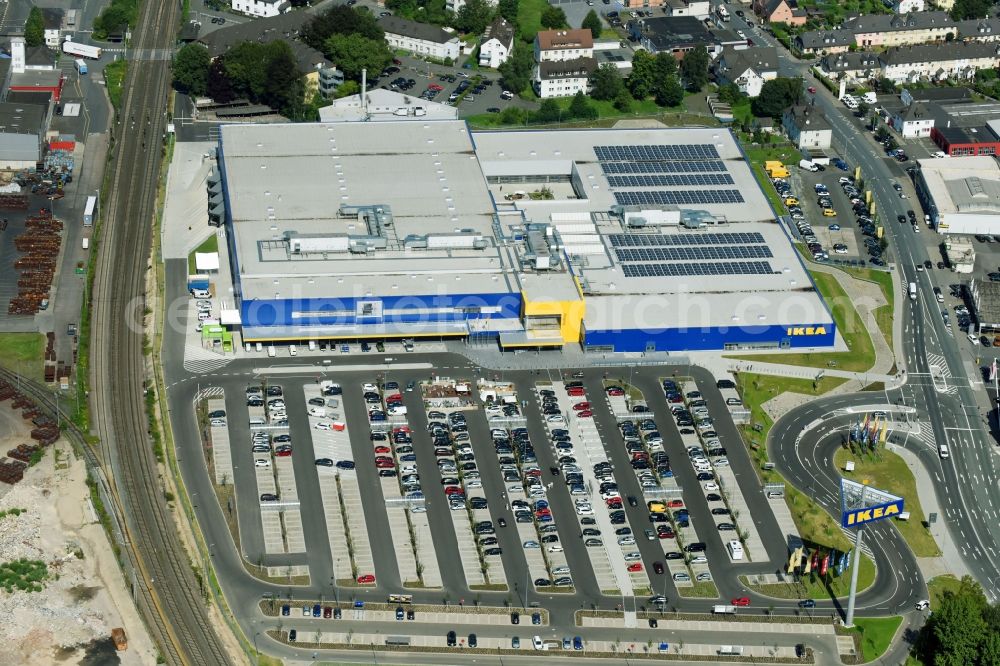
(170, 598)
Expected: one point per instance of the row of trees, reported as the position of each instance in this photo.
(263, 73)
(964, 629)
(551, 111)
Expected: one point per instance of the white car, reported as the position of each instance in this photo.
(560, 571)
(531, 544)
(584, 511)
(710, 486)
(973, 339)
(721, 462)
(317, 411)
(555, 418)
(633, 557)
(701, 559)
(323, 425)
(201, 293)
(626, 540)
(261, 462)
(555, 548)
(369, 388)
(923, 605)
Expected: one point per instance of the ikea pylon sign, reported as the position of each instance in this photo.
(861, 504)
(871, 514)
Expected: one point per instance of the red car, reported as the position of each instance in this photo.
(812, 89)
(394, 397)
(435, 86)
(616, 392)
(575, 391)
(533, 472)
(366, 579)
(740, 601)
(400, 428)
(615, 503)
(442, 452)
(635, 566)
(383, 449)
(675, 503)
(665, 534)
(283, 453)
(384, 464)
(581, 406)
(328, 612)
(585, 414)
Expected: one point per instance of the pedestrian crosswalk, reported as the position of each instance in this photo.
(938, 361)
(199, 360)
(142, 54)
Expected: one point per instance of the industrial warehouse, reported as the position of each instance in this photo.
(624, 240)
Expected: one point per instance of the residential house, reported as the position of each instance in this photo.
(764, 124)
(261, 8)
(824, 42)
(497, 43)
(563, 78)
(780, 11)
(284, 27)
(913, 121)
(938, 62)
(52, 19)
(747, 68)
(421, 39)
(979, 30)
(884, 30)
(680, 34)
(807, 127)
(850, 65)
(907, 6)
(697, 8)
(553, 45)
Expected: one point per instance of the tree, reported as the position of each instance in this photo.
(340, 20)
(970, 9)
(191, 69)
(641, 81)
(517, 70)
(777, 95)
(113, 19)
(474, 16)
(352, 53)
(508, 10)
(671, 93)
(694, 68)
(957, 629)
(548, 112)
(218, 85)
(606, 83)
(730, 94)
(580, 107)
(513, 115)
(34, 28)
(283, 86)
(346, 89)
(553, 17)
(593, 23)
(623, 102)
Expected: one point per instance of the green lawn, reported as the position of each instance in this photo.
(756, 390)
(529, 18)
(888, 472)
(23, 353)
(211, 244)
(861, 356)
(876, 635)
(814, 587)
(883, 315)
(114, 77)
(701, 590)
(938, 586)
(758, 154)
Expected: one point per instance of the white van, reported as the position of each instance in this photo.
(292, 350)
(259, 347)
(86, 243)
(312, 345)
(398, 410)
(943, 451)
(271, 351)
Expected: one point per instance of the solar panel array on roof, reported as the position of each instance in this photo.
(695, 253)
(694, 151)
(680, 270)
(678, 197)
(706, 166)
(691, 238)
(673, 180)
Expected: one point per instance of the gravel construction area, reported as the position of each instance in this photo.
(70, 620)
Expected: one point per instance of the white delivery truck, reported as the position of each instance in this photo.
(808, 165)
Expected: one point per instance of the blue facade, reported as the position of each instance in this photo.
(712, 339)
(407, 310)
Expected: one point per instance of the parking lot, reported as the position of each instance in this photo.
(572, 486)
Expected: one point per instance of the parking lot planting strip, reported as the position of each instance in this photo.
(222, 458)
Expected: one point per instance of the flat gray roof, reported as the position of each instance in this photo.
(962, 184)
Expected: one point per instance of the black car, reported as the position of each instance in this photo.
(541, 582)
(345, 464)
(502, 522)
(673, 556)
(324, 462)
(536, 618)
(387, 472)
(632, 501)
(696, 547)
(452, 641)
(515, 618)
(292, 635)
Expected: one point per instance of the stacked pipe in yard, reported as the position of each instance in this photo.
(40, 244)
(44, 432)
(14, 201)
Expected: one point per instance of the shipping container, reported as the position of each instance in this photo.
(82, 50)
(90, 212)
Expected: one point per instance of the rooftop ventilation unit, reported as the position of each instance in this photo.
(543, 245)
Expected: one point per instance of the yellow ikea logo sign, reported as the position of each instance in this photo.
(806, 330)
(862, 516)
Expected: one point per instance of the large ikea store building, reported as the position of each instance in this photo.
(618, 240)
